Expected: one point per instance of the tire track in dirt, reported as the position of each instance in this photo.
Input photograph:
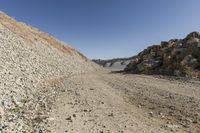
(103, 102)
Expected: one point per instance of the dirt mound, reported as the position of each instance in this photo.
(178, 57)
(32, 67)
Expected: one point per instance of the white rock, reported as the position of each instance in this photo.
(1, 112)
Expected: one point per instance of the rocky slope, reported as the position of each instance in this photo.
(178, 57)
(32, 67)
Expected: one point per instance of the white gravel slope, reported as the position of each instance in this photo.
(29, 72)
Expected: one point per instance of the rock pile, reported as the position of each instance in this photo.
(177, 57)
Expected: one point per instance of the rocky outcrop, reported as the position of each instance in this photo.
(32, 67)
(178, 57)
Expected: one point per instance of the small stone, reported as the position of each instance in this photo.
(162, 115)
(189, 121)
(195, 121)
(69, 118)
(168, 122)
(50, 119)
(151, 114)
(62, 90)
(87, 110)
(40, 131)
(111, 115)
(186, 125)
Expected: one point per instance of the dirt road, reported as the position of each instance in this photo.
(117, 103)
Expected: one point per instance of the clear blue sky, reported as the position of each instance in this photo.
(108, 28)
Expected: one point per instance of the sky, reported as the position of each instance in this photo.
(108, 28)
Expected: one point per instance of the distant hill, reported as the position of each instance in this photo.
(115, 64)
(177, 57)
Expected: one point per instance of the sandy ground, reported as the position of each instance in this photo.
(117, 103)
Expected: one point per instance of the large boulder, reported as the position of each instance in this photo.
(189, 61)
(193, 35)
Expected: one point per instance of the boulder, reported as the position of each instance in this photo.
(149, 65)
(164, 44)
(189, 61)
(193, 41)
(193, 35)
